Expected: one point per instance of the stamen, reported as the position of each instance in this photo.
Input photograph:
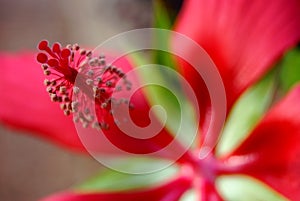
(97, 82)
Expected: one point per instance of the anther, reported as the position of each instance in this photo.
(69, 105)
(66, 98)
(72, 56)
(44, 66)
(95, 89)
(89, 81)
(102, 61)
(47, 82)
(102, 90)
(117, 122)
(87, 111)
(108, 68)
(90, 73)
(75, 119)
(118, 88)
(90, 118)
(104, 125)
(62, 89)
(53, 82)
(96, 125)
(109, 83)
(76, 90)
(47, 72)
(89, 54)
(124, 100)
(74, 106)
(69, 46)
(53, 97)
(49, 89)
(103, 105)
(59, 99)
(67, 112)
(128, 88)
(82, 52)
(99, 80)
(76, 47)
(114, 69)
(63, 106)
(121, 74)
(85, 124)
(131, 106)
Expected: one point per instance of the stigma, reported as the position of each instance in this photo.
(83, 84)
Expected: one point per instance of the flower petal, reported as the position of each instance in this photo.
(273, 148)
(243, 39)
(26, 105)
(209, 192)
(170, 191)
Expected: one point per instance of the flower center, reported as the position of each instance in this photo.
(81, 82)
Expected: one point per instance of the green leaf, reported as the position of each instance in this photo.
(246, 113)
(243, 188)
(170, 96)
(162, 18)
(109, 180)
(290, 69)
(180, 114)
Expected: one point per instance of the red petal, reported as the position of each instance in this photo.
(244, 39)
(26, 105)
(274, 147)
(209, 192)
(171, 191)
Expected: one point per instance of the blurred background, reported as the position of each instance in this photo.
(31, 167)
(24, 23)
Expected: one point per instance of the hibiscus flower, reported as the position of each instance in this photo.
(244, 41)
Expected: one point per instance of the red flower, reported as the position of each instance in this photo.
(244, 40)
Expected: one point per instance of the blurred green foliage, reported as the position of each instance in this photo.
(243, 188)
(290, 69)
(109, 180)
